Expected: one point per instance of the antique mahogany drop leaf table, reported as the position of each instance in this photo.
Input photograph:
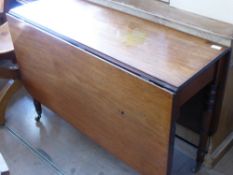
(119, 79)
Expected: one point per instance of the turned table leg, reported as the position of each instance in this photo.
(38, 108)
(205, 128)
(208, 115)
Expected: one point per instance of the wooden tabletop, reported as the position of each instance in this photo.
(185, 21)
(155, 52)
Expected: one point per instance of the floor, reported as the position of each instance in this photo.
(55, 147)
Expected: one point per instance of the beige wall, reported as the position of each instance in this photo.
(217, 9)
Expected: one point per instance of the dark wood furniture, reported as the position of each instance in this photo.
(8, 72)
(210, 29)
(120, 79)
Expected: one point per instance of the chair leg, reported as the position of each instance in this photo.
(5, 96)
(38, 108)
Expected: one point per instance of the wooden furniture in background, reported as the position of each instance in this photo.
(121, 80)
(9, 73)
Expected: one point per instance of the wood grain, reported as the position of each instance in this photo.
(195, 85)
(153, 49)
(181, 20)
(118, 110)
(6, 53)
(104, 100)
(5, 96)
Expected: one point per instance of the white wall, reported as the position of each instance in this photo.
(217, 9)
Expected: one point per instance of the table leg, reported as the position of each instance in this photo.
(208, 115)
(205, 127)
(38, 108)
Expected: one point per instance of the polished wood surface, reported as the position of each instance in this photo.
(181, 20)
(126, 77)
(153, 49)
(118, 110)
(63, 143)
(195, 85)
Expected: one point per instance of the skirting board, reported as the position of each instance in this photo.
(212, 158)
